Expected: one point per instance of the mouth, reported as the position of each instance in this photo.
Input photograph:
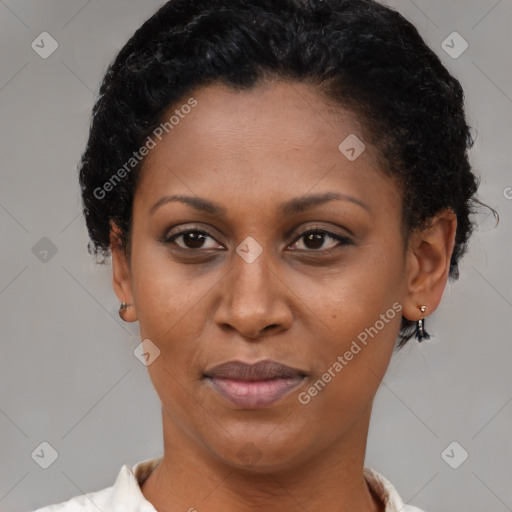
(253, 386)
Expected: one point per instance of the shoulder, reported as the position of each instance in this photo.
(125, 494)
(387, 492)
(89, 502)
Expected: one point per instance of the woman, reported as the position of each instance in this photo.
(285, 190)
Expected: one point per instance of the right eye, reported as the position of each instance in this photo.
(192, 239)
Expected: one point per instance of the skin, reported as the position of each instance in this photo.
(249, 152)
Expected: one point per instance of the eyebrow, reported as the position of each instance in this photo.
(291, 207)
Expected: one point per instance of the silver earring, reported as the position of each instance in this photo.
(421, 334)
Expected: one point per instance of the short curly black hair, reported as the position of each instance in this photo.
(363, 55)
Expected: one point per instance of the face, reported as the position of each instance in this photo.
(299, 259)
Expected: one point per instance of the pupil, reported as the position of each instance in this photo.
(195, 239)
(316, 238)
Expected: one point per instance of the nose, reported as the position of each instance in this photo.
(254, 301)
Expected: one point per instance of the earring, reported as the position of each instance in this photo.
(122, 308)
(420, 333)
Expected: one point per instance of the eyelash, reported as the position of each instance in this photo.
(317, 230)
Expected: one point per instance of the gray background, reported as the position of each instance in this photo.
(68, 373)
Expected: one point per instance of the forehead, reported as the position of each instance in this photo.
(277, 140)
(298, 112)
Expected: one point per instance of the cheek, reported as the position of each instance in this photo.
(173, 307)
(352, 296)
(168, 295)
(358, 313)
(351, 359)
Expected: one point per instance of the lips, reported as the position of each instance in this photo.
(262, 370)
(251, 386)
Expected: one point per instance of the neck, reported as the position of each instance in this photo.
(189, 478)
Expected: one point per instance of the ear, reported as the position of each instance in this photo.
(428, 264)
(121, 274)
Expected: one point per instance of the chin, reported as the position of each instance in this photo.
(262, 453)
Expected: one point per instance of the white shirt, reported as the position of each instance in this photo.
(125, 495)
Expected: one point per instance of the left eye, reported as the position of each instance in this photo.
(315, 238)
